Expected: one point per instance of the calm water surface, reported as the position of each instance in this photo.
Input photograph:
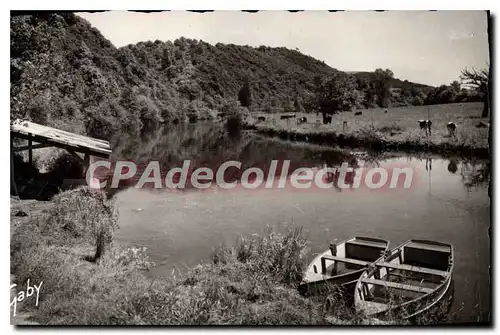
(445, 203)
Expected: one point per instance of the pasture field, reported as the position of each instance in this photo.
(399, 126)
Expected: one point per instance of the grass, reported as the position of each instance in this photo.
(251, 283)
(396, 130)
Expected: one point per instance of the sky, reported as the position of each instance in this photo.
(420, 46)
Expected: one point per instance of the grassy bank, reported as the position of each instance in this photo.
(396, 130)
(89, 280)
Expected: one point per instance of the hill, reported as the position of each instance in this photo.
(64, 73)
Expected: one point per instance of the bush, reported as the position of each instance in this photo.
(64, 166)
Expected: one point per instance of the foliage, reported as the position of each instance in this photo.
(65, 74)
(480, 81)
(336, 93)
(245, 95)
(476, 79)
(452, 93)
(382, 86)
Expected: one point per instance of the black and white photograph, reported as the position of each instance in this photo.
(251, 168)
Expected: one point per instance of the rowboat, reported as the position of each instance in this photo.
(412, 279)
(341, 264)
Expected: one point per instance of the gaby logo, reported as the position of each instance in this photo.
(230, 175)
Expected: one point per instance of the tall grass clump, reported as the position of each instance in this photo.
(283, 256)
(85, 213)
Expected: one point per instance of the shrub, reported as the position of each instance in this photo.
(64, 166)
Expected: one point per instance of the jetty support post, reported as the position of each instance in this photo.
(86, 164)
(12, 173)
(30, 152)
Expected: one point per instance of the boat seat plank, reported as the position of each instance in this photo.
(431, 247)
(367, 243)
(400, 286)
(346, 260)
(411, 268)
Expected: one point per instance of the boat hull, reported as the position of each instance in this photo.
(318, 282)
(413, 283)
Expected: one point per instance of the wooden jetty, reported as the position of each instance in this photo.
(39, 136)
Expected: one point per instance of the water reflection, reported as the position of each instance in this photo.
(428, 164)
(452, 166)
(474, 174)
(207, 145)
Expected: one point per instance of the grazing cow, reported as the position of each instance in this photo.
(261, 118)
(452, 127)
(344, 126)
(426, 124)
(302, 120)
(358, 113)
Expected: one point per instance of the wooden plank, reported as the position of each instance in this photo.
(60, 138)
(41, 129)
(368, 243)
(61, 143)
(411, 268)
(346, 260)
(49, 142)
(428, 246)
(405, 287)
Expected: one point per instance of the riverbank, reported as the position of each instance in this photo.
(395, 130)
(374, 140)
(251, 283)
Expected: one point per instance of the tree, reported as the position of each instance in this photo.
(298, 105)
(441, 95)
(166, 61)
(455, 86)
(382, 81)
(370, 94)
(480, 81)
(337, 93)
